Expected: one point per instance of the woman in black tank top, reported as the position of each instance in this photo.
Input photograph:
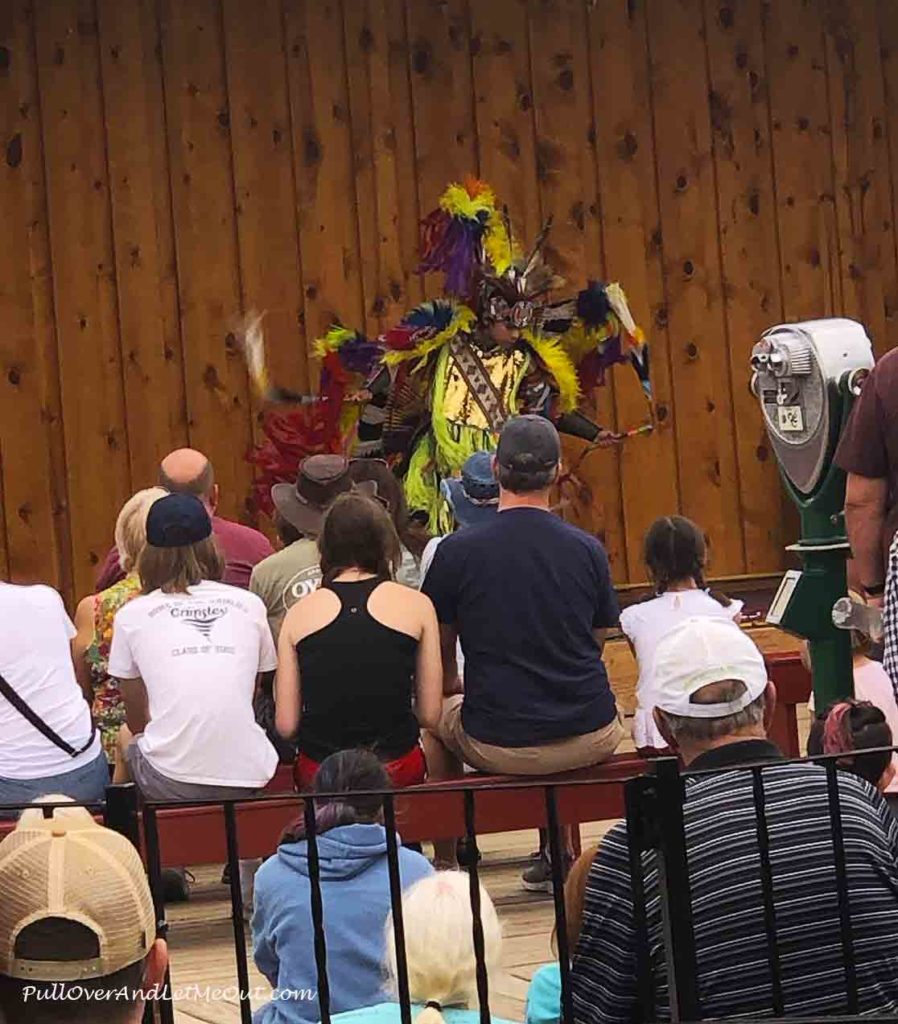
(359, 661)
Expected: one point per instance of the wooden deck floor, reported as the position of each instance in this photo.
(202, 950)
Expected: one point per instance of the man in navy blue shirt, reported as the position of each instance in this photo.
(531, 598)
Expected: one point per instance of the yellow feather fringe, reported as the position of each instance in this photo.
(463, 319)
(558, 362)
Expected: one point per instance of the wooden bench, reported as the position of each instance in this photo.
(196, 835)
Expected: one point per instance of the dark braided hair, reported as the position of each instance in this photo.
(350, 772)
(856, 727)
(675, 550)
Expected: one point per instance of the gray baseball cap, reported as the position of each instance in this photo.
(528, 443)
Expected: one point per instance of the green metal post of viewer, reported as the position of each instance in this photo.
(806, 377)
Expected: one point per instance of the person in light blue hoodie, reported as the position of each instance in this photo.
(544, 993)
(439, 953)
(355, 894)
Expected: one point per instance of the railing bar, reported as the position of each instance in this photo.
(324, 999)
(474, 879)
(636, 794)
(845, 929)
(154, 870)
(675, 892)
(776, 971)
(556, 859)
(246, 1012)
(405, 1005)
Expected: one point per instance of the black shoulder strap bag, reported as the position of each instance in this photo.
(35, 719)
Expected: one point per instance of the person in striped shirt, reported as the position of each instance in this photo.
(713, 705)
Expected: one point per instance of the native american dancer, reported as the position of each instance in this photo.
(438, 386)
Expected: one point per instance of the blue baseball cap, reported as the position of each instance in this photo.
(475, 496)
(176, 521)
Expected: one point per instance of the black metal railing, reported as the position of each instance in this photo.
(655, 829)
(127, 802)
(656, 826)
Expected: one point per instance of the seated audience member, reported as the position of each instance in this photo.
(473, 497)
(353, 654)
(77, 927)
(855, 728)
(713, 704)
(187, 471)
(871, 683)
(293, 572)
(544, 993)
(94, 615)
(389, 492)
(355, 892)
(187, 654)
(439, 950)
(675, 557)
(48, 743)
(531, 597)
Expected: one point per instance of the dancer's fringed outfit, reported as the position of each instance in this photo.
(439, 385)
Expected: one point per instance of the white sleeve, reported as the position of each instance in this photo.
(121, 658)
(430, 549)
(629, 619)
(67, 624)
(268, 655)
(734, 608)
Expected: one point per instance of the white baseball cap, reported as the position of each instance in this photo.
(701, 651)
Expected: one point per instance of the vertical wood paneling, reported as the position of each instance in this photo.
(198, 122)
(503, 100)
(168, 164)
(142, 228)
(443, 101)
(33, 524)
(709, 482)
(567, 178)
(322, 146)
(262, 153)
(748, 245)
(84, 283)
(861, 158)
(629, 208)
(384, 156)
(802, 159)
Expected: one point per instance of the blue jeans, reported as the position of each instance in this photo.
(85, 785)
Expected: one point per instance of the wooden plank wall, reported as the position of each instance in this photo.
(168, 164)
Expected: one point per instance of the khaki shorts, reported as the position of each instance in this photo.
(560, 756)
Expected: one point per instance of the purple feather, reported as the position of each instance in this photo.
(451, 245)
(359, 355)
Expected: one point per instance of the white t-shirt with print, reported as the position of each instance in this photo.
(644, 625)
(198, 655)
(36, 661)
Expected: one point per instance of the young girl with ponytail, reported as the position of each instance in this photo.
(439, 951)
(675, 557)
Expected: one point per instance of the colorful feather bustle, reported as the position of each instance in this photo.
(357, 353)
(425, 329)
(404, 383)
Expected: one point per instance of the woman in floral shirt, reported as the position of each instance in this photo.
(95, 614)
